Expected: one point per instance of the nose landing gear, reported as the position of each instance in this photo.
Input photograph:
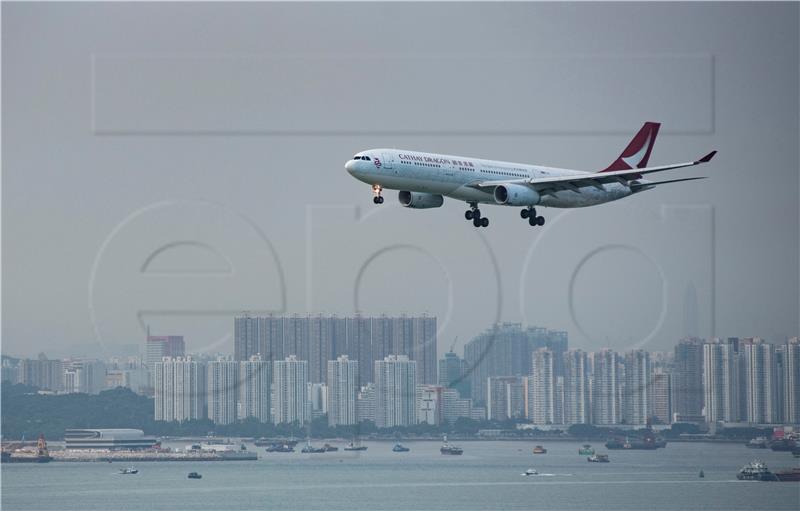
(376, 192)
(530, 214)
(474, 214)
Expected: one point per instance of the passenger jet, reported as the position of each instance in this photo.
(425, 179)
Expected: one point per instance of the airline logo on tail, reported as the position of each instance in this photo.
(636, 155)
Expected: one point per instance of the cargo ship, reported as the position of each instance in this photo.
(788, 475)
(449, 449)
(40, 455)
(783, 444)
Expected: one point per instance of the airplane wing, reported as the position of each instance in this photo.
(575, 182)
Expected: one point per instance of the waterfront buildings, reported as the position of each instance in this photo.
(687, 377)
(42, 372)
(255, 389)
(395, 391)
(759, 360)
(636, 391)
(453, 373)
(541, 389)
(112, 439)
(342, 389)
(159, 346)
(605, 388)
(430, 404)
(290, 388)
(720, 382)
(505, 397)
(180, 393)
(661, 396)
(576, 387)
(791, 381)
(223, 390)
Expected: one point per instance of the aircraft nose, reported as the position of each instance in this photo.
(350, 166)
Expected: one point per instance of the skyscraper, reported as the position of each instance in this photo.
(505, 397)
(365, 403)
(759, 373)
(791, 382)
(636, 392)
(250, 337)
(255, 389)
(290, 385)
(719, 382)
(222, 390)
(395, 391)
(605, 388)
(453, 374)
(179, 389)
(541, 388)
(687, 377)
(342, 390)
(661, 397)
(160, 346)
(42, 373)
(576, 387)
(430, 404)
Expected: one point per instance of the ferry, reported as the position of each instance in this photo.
(400, 448)
(586, 450)
(355, 446)
(598, 458)
(539, 450)
(755, 471)
(128, 470)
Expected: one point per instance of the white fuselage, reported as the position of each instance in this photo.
(457, 176)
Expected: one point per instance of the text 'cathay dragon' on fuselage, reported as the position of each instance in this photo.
(425, 179)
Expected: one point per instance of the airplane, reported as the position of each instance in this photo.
(425, 179)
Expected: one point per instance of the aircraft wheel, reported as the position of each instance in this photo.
(524, 213)
(484, 222)
(532, 221)
(476, 222)
(476, 213)
(380, 200)
(375, 200)
(540, 220)
(468, 214)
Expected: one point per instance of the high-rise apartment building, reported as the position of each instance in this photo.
(395, 391)
(159, 346)
(342, 390)
(180, 392)
(636, 391)
(453, 374)
(541, 388)
(720, 385)
(255, 388)
(759, 360)
(687, 377)
(605, 388)
(576, 387)
(290, 389)
(661, 397)
(222, 390)
(505, 397)
(42, 373)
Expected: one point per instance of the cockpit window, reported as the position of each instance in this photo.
(365, 158)
(356, 157)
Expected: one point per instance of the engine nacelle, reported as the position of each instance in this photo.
(516, 195)
(419, 200)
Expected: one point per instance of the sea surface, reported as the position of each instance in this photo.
(487, 476)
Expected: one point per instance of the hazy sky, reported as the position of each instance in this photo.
(174, 164)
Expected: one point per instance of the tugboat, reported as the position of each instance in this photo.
(586, 450)
(400, 448)
(755, 471)
(757, 443)
(598, 458)
(194, 475)
(280, 448)
(450, 449)
(355, 446)
(128, 470)
(530, 472)
(539, 450)
(310, 449)
(330, 448)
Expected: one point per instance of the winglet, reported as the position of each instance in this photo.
(706, 158)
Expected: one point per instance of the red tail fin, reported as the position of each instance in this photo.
(638, 151)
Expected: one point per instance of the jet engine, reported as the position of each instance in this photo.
(419, 200)
(516, 195)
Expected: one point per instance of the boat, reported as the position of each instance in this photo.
(194, 475)
(330, 448)
(755, 471)
(647, 443)
(598, 458)
(449, 449)
(280, 448)
(784, 444)
(758, 443)
(265, 442)
(128, 470)
(530, 472)
(586, 450)
(310, 449)
(400, 448)
(539, 450)
(24, 455)
(355, 446)
(701, 474)
(788, 475)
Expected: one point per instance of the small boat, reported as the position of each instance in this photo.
(539, 450)
(530, 472)
(194, 475)
(280, 448)
(598, 458)
(400, 448)
(783, 444)
(310, 449)
(449, 449)
(330, 448)
(586, 450)
(353, 446)
(701, 474)
(757, 443)
(755, 471)
(128, 470)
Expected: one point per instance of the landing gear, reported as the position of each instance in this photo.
(474, 214)
(530, 214)
(376, 192)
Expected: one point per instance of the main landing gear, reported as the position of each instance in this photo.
(474, 214)
(376, 192)
(530, 214)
